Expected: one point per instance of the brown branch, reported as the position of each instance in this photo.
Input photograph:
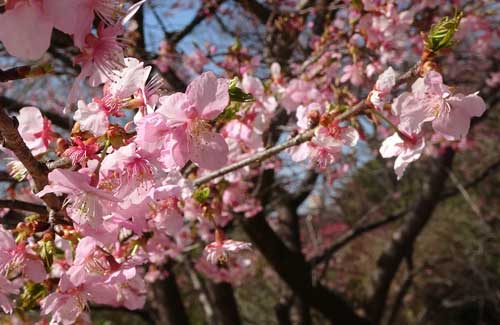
(5, 177)
(294, 271)
(202, 13)
(299, 139)
(12, 140)
(304, 189)
(484, 174)
(25, 206)
(256, 9)
(158, 19)
(23, 72)
(282, 311)
(353, 234)
(165, 300)
(268, 153)
(398, 301)
(226, 306)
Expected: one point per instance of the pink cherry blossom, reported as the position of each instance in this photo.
(326, 146)
(18, 258)
(303, 114)
(382, 89)
(92, 117)
(101, 55)
(167, 214)
(189, 115)
(75, 17)
(353, 73)
(129, 170)
(89, 260)
(431, 101)
(7, 288)
(126, 81)
(299, 92)
(196, 60)
(82, 151)
(88, 204)
(149, 129)
(25, 29)
(69, 301)
(35, 129)
(407, 150)
(221, 251)
(131, 293)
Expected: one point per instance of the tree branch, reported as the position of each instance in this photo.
(293, 269)
(202, 13)
(23, 72)
(25, 206)
(12, 140)
(256, 9)
(268, 153)
(353, 234)
(166, 301)
(299, 139)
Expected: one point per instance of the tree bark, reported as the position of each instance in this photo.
(225, 304)
(166, 302)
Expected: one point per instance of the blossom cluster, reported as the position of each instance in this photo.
(129, 203)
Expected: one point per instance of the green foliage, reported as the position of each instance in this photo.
(441, 34)
(236, 94)
(229, 112)
(47, 251)
(202, 194)
(32, 293)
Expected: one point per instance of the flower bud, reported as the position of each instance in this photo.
(441, 34)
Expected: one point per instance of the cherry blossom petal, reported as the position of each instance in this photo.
(209, 150)
(209, 95)
(25, 30)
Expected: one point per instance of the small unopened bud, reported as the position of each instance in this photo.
(61, 146)
(313, 118)
(325, 120)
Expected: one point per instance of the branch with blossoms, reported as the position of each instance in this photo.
(303, 137)
(143, 177)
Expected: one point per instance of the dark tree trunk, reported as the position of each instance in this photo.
(166, 302)
(225, 305)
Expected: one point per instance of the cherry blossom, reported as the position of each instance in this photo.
(88, 205)
(75, 17)
(407, 149)
(326, 146)
(35, 129)
(221, 251)
(189, 115)
(32, 26)
(382, 89)
(92, 117)
(81, 151)
(18, 258)
(7, 288)
(432, 101)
